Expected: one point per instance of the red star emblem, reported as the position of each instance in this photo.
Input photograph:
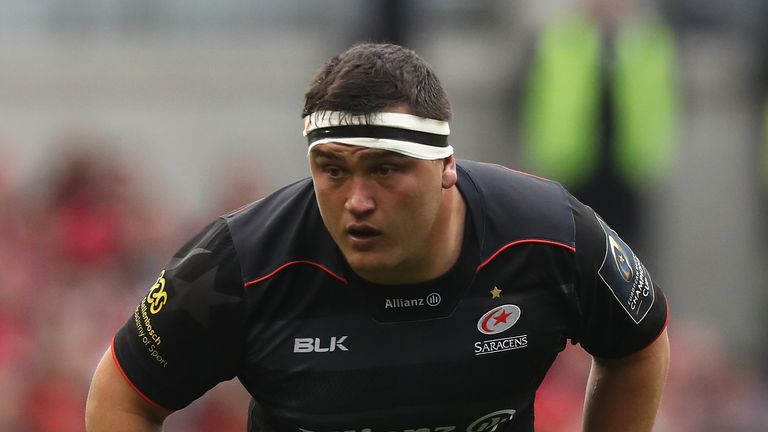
(502, 317)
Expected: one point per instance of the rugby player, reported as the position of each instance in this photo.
(397, 288)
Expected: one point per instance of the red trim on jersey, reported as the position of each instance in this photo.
(241, 208)
(276, 271)
(136, 389)
(666, 322)
(515, 243)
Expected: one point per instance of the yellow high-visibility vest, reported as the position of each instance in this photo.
(561, 107)
(764, 164)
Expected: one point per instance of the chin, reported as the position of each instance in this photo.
(368, 263)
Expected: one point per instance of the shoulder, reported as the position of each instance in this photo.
(284, 227)
(514, 206)
(275, 212)
(504, 186)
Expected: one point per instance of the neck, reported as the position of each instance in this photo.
(446, 238)
(448, 234)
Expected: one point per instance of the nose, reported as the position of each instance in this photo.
(360, 201)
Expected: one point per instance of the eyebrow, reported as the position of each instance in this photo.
(370, 155)
(317, 154)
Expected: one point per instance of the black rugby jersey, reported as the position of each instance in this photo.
(265, 295)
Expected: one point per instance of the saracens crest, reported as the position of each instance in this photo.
(498, 319)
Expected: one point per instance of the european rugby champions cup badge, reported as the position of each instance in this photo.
(626, 276)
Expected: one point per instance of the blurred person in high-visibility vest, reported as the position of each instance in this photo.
(762, 167)
(602, 105)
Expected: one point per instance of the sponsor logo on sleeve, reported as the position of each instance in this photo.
(626, 276)
(146, 332)
(157, 295)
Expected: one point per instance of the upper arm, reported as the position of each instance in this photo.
(654, 357)
(186, 335)
(639, 376)
(112, 403)
(635, 380)
(621, 307)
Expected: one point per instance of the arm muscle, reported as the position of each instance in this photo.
(114, 406)
(624, 394)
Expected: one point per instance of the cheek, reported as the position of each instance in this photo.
(330, 209)
(416, 211)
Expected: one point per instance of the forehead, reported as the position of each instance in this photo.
(344, 152)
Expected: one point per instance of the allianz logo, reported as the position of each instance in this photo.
(309, 345)
(432, 299)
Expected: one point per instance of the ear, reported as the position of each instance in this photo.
(449, 172)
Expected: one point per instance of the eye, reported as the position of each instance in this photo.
(333, 171)
(386, 169)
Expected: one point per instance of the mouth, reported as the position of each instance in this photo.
(362, 234)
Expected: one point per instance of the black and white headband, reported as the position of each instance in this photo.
(407, 134)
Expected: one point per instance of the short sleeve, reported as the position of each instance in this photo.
(186, 334)
(621, 307)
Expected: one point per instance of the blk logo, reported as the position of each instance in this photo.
(308, 345)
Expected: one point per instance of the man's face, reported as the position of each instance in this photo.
(380, 207)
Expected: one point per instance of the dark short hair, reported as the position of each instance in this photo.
(370, 77)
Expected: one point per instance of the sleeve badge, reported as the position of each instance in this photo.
(626, 276)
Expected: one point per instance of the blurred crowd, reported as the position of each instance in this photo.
(80, 247)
